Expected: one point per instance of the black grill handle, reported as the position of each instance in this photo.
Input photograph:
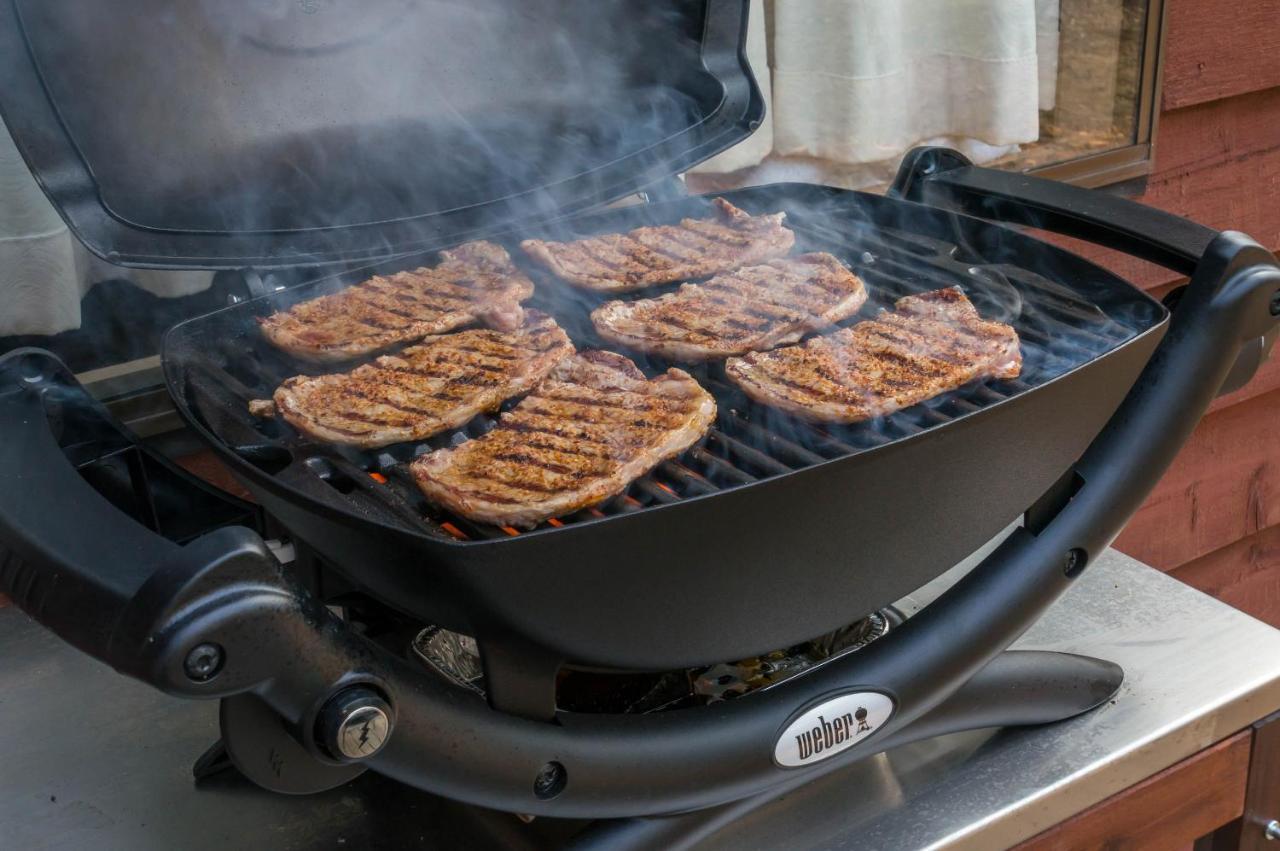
(53, 526)
(74, 561)
(942, 177)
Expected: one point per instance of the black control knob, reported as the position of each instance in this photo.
(354, 724)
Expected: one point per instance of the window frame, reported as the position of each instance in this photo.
(1136, 160)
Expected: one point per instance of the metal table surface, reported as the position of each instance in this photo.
(91, 759)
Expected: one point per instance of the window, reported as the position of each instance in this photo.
(1066, 88)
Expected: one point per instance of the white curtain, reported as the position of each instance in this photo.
(861, 81)
(44, 270)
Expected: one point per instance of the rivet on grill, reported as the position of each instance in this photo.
(32, 370)
(550, 781)
(1074, 562)
(203, 662)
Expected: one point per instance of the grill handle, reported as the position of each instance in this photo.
(942, 177)
(84, 568)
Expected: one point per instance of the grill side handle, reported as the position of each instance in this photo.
(942, 177)
(91, 573)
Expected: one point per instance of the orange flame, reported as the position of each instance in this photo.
(454, 531)
(379, 478)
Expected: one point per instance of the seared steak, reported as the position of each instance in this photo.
(745, 310)
(586, 432)
(437, 385)
(663, 254)
(473, 281)
(932, 343)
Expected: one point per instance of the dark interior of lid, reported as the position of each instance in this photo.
(280, 115)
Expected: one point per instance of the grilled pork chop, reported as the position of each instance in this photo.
(473, 281)
(437, 385)
(586, 432)
(663, 254)
(931, 343)
(749, 309)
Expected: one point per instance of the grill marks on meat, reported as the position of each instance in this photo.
(473, 281)
(437, 385)
(586, 432)
(931, 343)
(750, 309)
(664, 254)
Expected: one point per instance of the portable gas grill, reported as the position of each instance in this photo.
(768, 534)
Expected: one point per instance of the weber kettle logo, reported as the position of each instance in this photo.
(831, 727)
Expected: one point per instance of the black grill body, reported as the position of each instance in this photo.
(763, 535)
(768, 533)
(792, 531)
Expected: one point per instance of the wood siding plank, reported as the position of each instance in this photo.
(1244, 574)
(1217, 132)
(1216, 49)
(1223, 486)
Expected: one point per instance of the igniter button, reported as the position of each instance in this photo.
(355, 724)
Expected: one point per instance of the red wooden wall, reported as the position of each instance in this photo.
(1214, 521)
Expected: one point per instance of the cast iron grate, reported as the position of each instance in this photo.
(1059, 328)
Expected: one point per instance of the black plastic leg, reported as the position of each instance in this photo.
(212, 762)
(1018, 688)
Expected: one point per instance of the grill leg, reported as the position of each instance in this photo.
(212, 762)
(1018, 688)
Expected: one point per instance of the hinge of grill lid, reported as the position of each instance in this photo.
(259, 283)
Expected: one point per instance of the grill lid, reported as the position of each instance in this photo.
(285, 132)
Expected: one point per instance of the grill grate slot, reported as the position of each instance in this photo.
(742, 455)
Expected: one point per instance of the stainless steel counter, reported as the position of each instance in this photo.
(91, 759)
(1196, 671)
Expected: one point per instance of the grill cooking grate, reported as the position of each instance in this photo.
(1059, 330)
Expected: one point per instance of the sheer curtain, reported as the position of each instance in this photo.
(856, 82)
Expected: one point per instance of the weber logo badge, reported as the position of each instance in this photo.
(831, 727)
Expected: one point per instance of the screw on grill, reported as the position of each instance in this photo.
(203, 662)
(1074, 562)
(550, 781)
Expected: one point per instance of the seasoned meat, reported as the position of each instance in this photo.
(265, 408)
(745, 310)
(437, 385)
(664, 254)
(475, 281)
(586, 432)
(931, 343)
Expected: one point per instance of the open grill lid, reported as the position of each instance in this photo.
(285, 132)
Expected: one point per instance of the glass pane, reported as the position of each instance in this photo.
(854, 84)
